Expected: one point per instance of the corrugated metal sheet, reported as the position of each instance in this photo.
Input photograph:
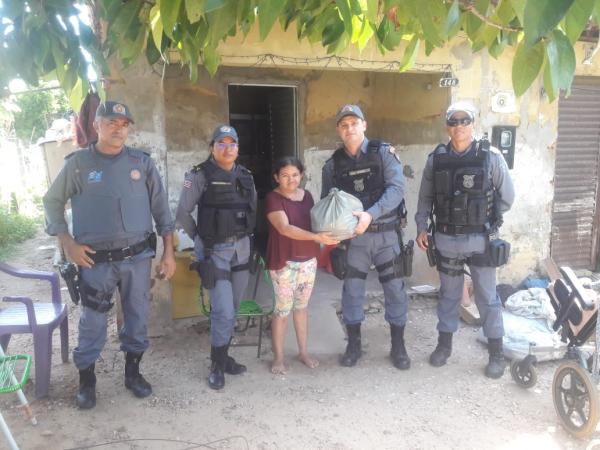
(575, 213)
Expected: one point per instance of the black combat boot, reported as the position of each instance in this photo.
(496, 364)
(353, 351)
(443, 350)
(400, 358)
(86, 397)
(216, 379)
(232, 367)
(133, 378)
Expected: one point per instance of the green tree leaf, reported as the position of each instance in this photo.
(519, 8)
(220, 21)
(453, 19)
(156, 26)
(526, 66)
(169, 14)
(77, 94)
(542, 16)
(410, 54)
(268, 10)
(346, 14)
(372, 10)
(472, 22)
(193, 9)
(211, 60)
(212, 5)
(332, 32)
(549, 85)
(561, 60)
(577, 18)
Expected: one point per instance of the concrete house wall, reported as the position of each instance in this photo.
(174, 118)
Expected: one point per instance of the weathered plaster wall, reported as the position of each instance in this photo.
(390, 101)
(399, 107)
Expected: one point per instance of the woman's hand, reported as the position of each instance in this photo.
(325, 238)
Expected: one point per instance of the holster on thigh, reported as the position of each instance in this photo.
(497, 252)
(94, 299)
(206, 271)
(453, 267)
(339, 261)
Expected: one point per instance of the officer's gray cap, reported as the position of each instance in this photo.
(461, 106)
(223, 131)
(349, 110)
(110, 109)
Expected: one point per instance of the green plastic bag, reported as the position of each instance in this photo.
(333, 213)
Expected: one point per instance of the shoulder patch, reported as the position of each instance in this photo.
(392, 150)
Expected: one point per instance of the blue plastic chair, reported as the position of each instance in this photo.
(39, 319)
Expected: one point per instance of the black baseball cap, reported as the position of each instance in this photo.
(110, 109)
(349, 110)
(224, 131)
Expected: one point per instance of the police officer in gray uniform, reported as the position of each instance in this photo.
(372, 172)
(469, 187)
(225, 196)
(115, 192)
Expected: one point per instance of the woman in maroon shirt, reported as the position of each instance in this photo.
(292, 251)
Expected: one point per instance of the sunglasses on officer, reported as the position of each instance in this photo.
(226, 146)
(465, 121)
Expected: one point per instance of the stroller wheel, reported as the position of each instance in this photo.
(575, 399)
(524, 372)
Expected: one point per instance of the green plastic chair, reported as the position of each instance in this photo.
(10, 367)
(249, 307)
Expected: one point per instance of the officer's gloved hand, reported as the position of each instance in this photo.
(364, 220)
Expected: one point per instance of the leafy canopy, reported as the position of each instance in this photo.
(48, 39)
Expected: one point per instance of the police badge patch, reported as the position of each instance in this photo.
(468, 181)
(359, 185)
(118, 108)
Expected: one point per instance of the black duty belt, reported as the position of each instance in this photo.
(229, 239)
(119, 254)
(381, 227)
(459, 229)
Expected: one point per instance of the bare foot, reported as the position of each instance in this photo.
(278, 368)
(308, 360)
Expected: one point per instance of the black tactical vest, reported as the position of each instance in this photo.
(464, 195)
(361, 177)
(227, 207)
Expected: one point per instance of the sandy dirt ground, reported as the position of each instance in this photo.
(370, 406)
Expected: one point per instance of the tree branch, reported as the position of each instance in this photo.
(470, 7)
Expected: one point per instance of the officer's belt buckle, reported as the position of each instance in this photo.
(126, 252)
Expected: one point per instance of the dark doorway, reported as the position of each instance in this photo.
(265, 119)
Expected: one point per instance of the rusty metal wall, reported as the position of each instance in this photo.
(575, 213)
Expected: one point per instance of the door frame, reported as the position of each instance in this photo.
(298, 93)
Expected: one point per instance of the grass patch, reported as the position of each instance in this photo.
(15, 228)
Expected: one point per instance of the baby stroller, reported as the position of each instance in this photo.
(574, 387)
